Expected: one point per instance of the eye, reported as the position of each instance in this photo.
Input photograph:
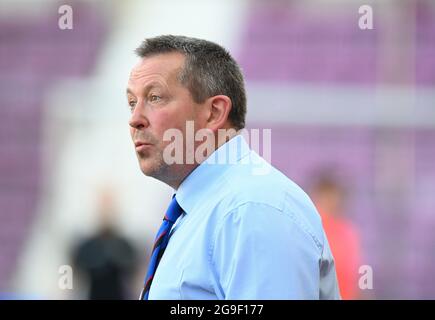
(155, 98)
(132, 104)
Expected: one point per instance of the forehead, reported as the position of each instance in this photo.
(163, 66)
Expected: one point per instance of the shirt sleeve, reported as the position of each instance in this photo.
(261, 252)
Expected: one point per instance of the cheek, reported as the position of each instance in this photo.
(165, 120)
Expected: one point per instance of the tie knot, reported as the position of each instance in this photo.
(174, 211)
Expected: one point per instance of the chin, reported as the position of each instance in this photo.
(147, 170)
(151, 168)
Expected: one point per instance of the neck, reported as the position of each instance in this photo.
(219, 140)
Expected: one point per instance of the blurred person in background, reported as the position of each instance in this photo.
(329, 197)
(106, 261)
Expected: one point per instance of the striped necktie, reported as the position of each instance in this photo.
(160, 243)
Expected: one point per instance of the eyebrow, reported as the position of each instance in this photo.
(147, 87)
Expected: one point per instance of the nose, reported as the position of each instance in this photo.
(138, 120)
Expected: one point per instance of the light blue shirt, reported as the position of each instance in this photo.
(248, 232)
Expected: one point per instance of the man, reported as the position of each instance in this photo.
(229, 232)
(329, 197)
(106, 260)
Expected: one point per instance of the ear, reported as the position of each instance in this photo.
(219, 110)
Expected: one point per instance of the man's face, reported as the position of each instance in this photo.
(158, 102)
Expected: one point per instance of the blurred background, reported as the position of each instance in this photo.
(352, 113)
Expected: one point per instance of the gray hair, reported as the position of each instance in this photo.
(209, 70)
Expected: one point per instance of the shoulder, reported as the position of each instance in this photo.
(270, 197)
(255, 180)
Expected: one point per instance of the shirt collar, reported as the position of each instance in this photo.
(194, 189)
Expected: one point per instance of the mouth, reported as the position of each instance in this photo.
(140, 145)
